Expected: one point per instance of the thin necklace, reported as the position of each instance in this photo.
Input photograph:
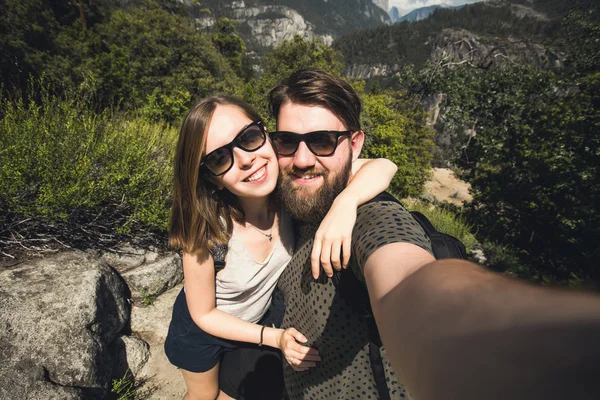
(267, 235)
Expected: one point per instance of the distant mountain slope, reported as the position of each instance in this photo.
(484, 34)
(421, 13)
(266, 23)
(332, 17)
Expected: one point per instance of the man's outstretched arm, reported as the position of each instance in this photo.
(455, 330)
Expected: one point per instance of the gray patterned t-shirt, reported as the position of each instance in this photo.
(331, 325)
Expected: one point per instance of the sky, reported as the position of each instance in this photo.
(406, 6)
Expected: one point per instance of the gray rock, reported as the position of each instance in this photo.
(125, 257)
(155, 278)
(58, 316)
(155, 319)
(132, 354)
(32, 378)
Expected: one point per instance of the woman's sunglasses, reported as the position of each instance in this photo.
(320, 143)
(220, 160)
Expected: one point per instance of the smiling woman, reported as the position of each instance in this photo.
(224, 212)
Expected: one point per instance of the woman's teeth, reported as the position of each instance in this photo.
(257, 175)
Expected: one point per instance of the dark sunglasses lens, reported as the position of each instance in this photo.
(322, 143)
(252, 138)
(218, 161)
(285, 144)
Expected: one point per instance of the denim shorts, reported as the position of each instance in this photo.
(187, 346)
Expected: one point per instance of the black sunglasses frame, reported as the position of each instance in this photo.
(235, 142)
(306, 138)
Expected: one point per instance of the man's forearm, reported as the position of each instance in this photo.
(455, 330)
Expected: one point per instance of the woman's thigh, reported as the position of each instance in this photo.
(202, 385)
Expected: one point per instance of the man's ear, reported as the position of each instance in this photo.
(356, 143)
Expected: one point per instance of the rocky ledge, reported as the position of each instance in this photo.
(66, 320)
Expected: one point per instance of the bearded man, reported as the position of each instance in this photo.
(318, 138)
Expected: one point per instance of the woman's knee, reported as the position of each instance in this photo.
(206, 394)
(202, 386)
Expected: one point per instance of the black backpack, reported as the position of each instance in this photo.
(355, 293)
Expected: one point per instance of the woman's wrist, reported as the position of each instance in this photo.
(271, 337)
(347, 199)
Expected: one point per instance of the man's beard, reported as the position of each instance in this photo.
(312, 206)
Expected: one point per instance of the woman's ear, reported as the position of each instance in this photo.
(217, 182)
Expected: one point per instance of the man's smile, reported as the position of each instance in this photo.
(306, 178)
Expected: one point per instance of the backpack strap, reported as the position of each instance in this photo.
(378, 371)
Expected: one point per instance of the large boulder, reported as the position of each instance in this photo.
(59, 316)
(151, 279)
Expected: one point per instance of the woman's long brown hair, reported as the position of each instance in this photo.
(201, 216)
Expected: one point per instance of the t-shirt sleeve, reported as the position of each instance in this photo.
(381, 223)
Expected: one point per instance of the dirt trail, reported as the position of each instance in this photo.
(160, 379)
(445, 186)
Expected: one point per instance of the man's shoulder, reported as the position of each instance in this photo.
(382, 221)
(383, 209)
(383, 201)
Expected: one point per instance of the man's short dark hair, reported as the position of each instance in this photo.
(315, 87)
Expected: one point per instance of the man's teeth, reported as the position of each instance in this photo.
(257, 175)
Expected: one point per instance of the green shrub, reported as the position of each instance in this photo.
(59, 157)
(447, 222)
(124, 388)
(502, 258)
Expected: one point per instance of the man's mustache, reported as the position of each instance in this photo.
(292, 170)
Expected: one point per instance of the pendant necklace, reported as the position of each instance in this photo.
(267, 235)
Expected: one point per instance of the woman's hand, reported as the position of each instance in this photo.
(298, 356)
(333, 240)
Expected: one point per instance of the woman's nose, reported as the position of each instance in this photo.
(244, 159)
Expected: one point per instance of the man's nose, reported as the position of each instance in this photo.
(304, 158)
(244, 159)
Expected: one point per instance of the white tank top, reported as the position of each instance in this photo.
(244, 287)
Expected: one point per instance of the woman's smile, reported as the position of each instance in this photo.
(259, 176)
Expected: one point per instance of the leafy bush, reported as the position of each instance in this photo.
(59, 157)
(503, 258)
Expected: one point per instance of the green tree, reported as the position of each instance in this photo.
(395, 129)
(27, 30)
(145, 57)
(229, 43)
(287, 58)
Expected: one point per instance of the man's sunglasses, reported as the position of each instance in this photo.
(320, 143)
(220, 160)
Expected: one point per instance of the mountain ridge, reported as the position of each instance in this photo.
(484, 34)
(417, 14)
(267, 23)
